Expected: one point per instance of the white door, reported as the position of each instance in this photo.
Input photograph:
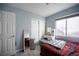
(9, 33)
(0, 34)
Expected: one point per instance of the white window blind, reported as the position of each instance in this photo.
(69, 26)
(60, 29)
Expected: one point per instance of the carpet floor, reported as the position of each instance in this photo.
(29, 52)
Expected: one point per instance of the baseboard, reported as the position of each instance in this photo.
(19, 50)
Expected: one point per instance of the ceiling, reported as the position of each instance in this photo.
(43, 9)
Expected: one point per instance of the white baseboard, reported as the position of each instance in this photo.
(19, 50)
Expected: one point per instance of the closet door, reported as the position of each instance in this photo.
(9, 33)
(0, 34)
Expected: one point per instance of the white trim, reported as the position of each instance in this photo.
(19, 50)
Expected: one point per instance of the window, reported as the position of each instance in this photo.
(67, 27)
(60, 29)
(73, 27)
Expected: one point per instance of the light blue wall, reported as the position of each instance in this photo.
(51, 19)
(23, 21)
